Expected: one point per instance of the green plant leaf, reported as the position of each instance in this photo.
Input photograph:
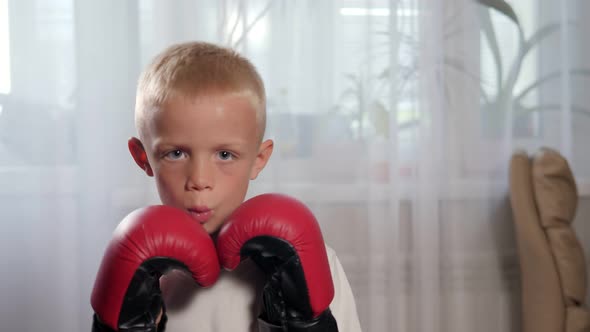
(490, 34)
(384, 74)
(458, 65)
(549, 77)
(252, 24)
(520, 109)
(538, 36)
(349, 93)
(501, 6)
(351, 77)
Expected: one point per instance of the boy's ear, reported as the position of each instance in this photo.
(264, 153)
(139, 155)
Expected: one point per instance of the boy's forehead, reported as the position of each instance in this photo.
(243, 108)
(207, 104)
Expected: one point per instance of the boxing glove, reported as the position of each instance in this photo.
(148, 243)
(284, 239)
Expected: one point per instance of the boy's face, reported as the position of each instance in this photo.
(203, 152)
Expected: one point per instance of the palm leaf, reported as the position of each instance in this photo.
(550, 77)
(253, 24)
(520, 109)
(539, 35)
(490, 34)
(502, 7)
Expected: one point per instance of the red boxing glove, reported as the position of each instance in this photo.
(284, 239)
(147, 244)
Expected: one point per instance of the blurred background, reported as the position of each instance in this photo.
(393, 119)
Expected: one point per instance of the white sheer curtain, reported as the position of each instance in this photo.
(394, 120)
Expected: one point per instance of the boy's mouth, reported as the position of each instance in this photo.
(200, 214)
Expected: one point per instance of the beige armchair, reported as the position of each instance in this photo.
(544, 198)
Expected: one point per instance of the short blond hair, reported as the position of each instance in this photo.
(193, 69)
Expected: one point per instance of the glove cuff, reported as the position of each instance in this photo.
(264, 326)
(323, 323)
(98, 326)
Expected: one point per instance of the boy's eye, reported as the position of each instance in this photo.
(175, 155)
(225, 155)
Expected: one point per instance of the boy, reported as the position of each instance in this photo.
(200, 115)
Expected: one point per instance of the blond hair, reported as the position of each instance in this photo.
(193, 69)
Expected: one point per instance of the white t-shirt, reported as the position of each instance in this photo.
(234, 302)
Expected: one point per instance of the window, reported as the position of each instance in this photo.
(5, 85)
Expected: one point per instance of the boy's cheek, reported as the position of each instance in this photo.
(167, 194)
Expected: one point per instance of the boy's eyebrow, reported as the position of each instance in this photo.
(162, 145)
(232, 144)
(159, 146)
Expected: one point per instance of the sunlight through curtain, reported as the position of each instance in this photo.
(394, 120)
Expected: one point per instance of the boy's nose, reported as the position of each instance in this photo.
(201, 176)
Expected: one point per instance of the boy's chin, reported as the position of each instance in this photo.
(213, 231)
